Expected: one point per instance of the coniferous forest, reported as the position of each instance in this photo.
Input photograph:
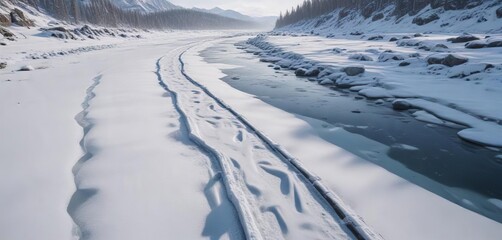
(314, 8)
(105, 13)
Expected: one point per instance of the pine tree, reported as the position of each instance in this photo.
(314, 8)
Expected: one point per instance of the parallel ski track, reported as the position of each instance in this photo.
(246, 217)
(353, 222)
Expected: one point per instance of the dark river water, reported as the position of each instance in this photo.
(440, 156)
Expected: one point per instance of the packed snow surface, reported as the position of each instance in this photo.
(146, 154)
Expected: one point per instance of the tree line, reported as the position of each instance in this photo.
(105, 13)
(314, 8)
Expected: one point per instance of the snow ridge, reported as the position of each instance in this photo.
(353, 222)
(246, 217)
(81, 195)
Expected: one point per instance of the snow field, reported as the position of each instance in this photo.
(138, 176)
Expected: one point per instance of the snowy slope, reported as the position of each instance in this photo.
(481, 19)
(226, 13)
(146, 5)
(263, 21)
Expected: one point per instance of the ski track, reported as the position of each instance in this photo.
(139, 140)
(126, 186)
(270, 195)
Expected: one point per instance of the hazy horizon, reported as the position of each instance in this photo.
(256, 8)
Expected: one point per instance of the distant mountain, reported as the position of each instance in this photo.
(226, 13)
(268, 21)
(147, 6)
(158, 14)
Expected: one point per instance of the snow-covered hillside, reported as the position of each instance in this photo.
(226, 13)
(484, 18)
(148, 6)
(268, 21)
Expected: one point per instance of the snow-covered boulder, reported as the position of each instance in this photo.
(60, 32)
(313, 72)
(475, 44)
(449, 60)
(439, 48)
(387, 56)
(360, 57)
(353, 70)
(300, 72)
(326, 81)
(6, 33)
(326, 72)
(26, 68)
(425, 19)
(375, 38)
(350, 82)
(463, 38)
(270, 59)
(338, 50)
(408, 43)
(393, 39)
(494, 42)
(401, 105)
(468, 69)
(285, 63)
(335, 76)
(304, 72)
(375, 92)
(404, 63)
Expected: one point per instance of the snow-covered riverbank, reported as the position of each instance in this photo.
(383, 69)
(370, 190)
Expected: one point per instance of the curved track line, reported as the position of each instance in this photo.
(234, 193)
(80, 196)
(353, 222)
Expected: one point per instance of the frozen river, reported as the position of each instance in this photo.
(428, 155)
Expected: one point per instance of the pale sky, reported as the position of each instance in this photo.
(249, 7)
